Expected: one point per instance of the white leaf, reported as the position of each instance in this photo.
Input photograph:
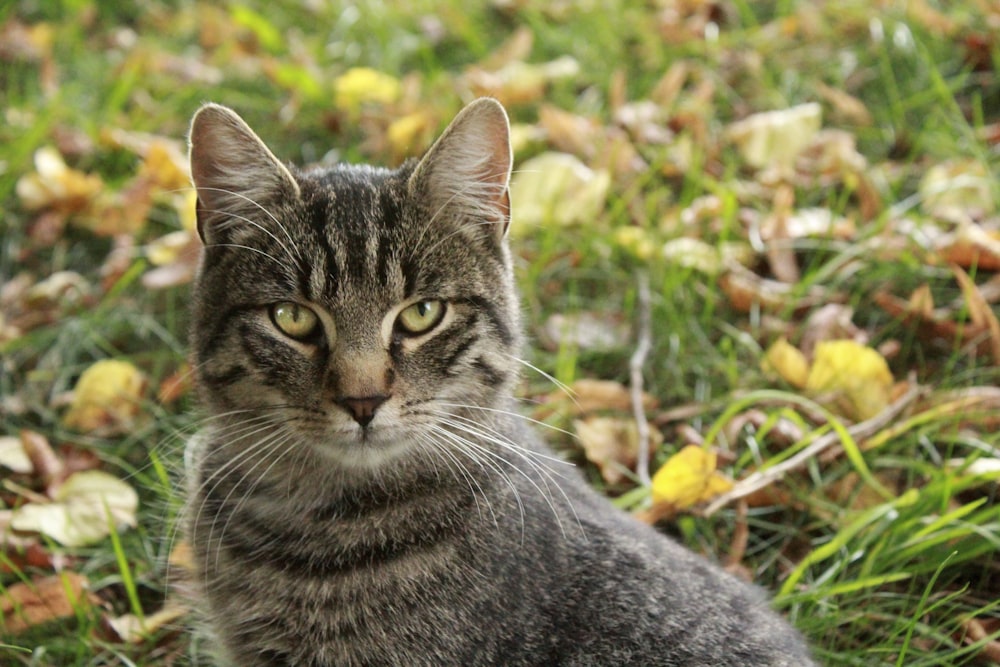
(85, 509)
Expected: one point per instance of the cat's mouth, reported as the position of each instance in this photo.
(365, 447)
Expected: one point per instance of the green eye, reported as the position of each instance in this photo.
(421, 317)
(293, 320)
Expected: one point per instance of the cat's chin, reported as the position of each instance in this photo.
(363, 450)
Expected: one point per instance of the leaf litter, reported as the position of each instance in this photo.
(577, 169)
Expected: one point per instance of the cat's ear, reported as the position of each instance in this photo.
(235, 174)
(469, 166)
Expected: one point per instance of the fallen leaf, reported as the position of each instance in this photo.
(983, 630)
(706, 258)
(584, 331)
(84, 509)
(856, 378)
(788, 362)
(29, 604)
(360, 86)
(13, 456)
(612, 444)
(747, 291)
(587, 395)
(106, 397)
(45, 463)
(980, 312)
(131, 629)
(518, 82)
(957, 190)
(971, 246)
(775, 138)
(556, 188)
(409, 134)
(55, 186)
(834, 321)
(844, 104)
(175, 385)
(689, 477)
(637, 241)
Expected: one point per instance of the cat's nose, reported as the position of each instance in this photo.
(363, 408)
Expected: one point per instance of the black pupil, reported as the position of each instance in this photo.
(423, 308)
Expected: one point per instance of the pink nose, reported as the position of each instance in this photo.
(362, 409)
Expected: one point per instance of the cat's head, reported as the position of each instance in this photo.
(353, 309)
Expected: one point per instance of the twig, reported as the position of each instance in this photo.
(635, 364)
(859, 431)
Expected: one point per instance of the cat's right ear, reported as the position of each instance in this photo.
(235, 175)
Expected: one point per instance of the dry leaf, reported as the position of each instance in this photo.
(978, 630)
(55, 186)
(106, 397)
(29, 604)
(775, 138)
(847, 106)
(409, 134)
(584, 331)
(518, 82)
(587, 395)
(689, 477)
(855, 377)
(84, 509)
(834, 321)
(132, 630)
(971, 246)
(45, 463)
(612, 444)
(556, 188)
(360, 86)
(13, 456)
(957, 190)
(636, 240)
(982, 316)
(788, 362)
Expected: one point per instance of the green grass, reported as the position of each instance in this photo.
(869, 579)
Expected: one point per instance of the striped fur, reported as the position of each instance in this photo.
(365, 495)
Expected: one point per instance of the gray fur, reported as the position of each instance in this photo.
(442, 532)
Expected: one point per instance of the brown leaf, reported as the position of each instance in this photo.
(612, 444)
(845, 105)
(747, 291)
(980, 312)
(46, 463)
(971, 246)
(977, 630)
(29, 604)
(130, 629)
(175, 386)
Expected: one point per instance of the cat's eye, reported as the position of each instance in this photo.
(421, 317)
(294, 320)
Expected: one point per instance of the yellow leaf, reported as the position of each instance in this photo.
(612, 444)
(775, 138)
(106, 396)
(361, 85)
(405, 133)
(636, 240)
(857, 376)
(166, 165)
(689, 477)
(85, 508)
(54, 185)
(557, 188)
(787, 361)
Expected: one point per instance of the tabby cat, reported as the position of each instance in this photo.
(365, 492)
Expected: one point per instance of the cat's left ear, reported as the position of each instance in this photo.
(468, 167)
